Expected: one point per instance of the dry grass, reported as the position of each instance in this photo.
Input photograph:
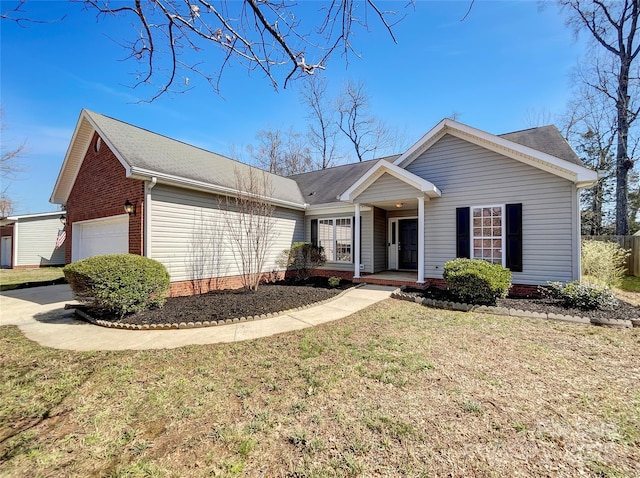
(20, 276)
(396, 390)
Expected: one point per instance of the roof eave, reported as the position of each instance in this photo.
(147, 175)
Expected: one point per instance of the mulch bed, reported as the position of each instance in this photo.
(222, 305)
(623, 310)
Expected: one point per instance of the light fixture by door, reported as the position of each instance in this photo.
(129, 208)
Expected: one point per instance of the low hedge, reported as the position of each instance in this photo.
(118, 283)
(474, 281)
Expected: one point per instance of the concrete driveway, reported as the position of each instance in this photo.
(39, 313)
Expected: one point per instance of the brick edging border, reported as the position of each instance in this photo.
(484, 309)
(196, 325)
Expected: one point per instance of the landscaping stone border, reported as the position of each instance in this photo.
(195, 325)
(484, 309)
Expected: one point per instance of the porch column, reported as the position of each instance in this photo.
(421, 240)
(356, 246)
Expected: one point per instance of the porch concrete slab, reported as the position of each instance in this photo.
(39, 313)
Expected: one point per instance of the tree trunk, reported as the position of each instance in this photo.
(622, 161)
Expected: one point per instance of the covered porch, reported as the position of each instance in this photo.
(397, 198)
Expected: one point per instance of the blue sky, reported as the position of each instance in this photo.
(506, 62)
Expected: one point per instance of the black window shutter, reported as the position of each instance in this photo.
(314, 232)
(463, 232)
(513, 213)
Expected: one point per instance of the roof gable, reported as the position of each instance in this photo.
(561, 167)
(145, 155)
(384, 167)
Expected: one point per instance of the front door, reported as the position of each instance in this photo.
(408, 244)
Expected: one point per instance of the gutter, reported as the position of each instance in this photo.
(202, 186)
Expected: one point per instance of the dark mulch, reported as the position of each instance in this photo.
(222, 305)
(623, 310)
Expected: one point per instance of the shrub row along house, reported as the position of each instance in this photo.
(457, 192)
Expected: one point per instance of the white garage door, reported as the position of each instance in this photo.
(101, 236)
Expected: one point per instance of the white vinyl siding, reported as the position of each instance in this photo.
(387, 188)
(190, 237)
(469, 175)
(35, 242)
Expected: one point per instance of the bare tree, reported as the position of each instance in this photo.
(9, 166)
(322, 123)
(282, 153)
(205, 255)
(589, 125)
(6, 205)
(613, 27)
(250, 224)
(279, 38)
(367, 134)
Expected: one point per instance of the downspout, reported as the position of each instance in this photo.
(146, 227)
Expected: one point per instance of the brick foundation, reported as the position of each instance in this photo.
(202, 286)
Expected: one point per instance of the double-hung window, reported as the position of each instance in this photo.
(487, 233)
(491, 233)
(335, 237)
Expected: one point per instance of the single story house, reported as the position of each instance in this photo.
(32, 240)
(457, 192)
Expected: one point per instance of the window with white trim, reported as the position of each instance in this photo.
(487, 233)
(335, 237)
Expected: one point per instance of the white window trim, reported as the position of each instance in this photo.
(335, 248)
(502, 231)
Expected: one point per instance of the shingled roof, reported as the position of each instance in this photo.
(146, 154)
(324, 186)
(547, 139)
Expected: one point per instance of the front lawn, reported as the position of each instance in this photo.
(12, 278)
(396, 390)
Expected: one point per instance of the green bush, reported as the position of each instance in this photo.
(474, 281)
(603, 263)
(334, 281)
(302, 258)
(583, 296)
(118, 283)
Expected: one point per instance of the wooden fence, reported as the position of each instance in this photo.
(631, 243)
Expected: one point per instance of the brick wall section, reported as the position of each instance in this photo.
(100, 190)
(192, 287)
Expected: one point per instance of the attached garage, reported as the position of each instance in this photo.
(100, 236)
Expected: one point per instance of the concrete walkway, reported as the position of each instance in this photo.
(39, 313)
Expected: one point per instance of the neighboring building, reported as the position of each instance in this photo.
(458, 192)
(30, 240)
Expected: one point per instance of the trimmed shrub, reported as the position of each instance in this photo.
(303, 258)
(474, 281)
(603, 263)
(118, 283)
(334, 281)
(583, 296)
